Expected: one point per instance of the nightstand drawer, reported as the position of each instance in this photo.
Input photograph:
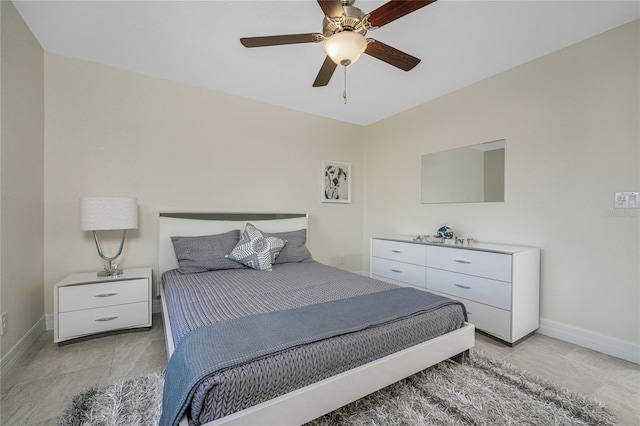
(483, 290)
(95, 295)
(403, 252)
(496, 266)
(89, 321)
(399, 271)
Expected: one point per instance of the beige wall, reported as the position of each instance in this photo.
(21, 176)
(570, 120)
(116, 133)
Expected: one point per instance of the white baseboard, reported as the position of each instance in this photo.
(8, 362)
(49, 318)
(591, 340)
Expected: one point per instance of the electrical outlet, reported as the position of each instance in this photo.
(627, 200)
(4, 323)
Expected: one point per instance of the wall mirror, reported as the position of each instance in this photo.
(471, 174)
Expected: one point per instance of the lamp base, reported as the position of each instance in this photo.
(110, 268)
(111, 273)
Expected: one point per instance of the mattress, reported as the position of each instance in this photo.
(197, 300)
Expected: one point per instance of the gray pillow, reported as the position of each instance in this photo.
(295, 250)
(205, 253)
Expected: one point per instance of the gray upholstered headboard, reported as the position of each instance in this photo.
(190, 224)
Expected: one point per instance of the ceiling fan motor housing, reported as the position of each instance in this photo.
(353, 19)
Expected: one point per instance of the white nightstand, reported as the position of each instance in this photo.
(88, 305)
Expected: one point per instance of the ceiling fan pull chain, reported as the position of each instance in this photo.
(344, 92)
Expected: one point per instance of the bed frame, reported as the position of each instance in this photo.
(317, 399)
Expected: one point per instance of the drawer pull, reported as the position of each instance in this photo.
(105, 319)
(396, 251)
(396, 271)
(105, 294)
(466, 262)
(466, 287)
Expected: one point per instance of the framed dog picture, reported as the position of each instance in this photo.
(336, 182)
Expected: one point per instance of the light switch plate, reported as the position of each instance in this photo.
(627, 200)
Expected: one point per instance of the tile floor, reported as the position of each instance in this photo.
(40, 387)
(612, 381)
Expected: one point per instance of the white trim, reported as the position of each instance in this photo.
(49, 321)
(168, 333)
(591, 340)
(8, 361)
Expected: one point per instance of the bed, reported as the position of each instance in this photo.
(297, 383)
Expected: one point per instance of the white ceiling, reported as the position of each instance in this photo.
(196, 42)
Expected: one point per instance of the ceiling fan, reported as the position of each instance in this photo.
(343, 31)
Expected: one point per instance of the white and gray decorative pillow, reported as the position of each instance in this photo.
(256, 250)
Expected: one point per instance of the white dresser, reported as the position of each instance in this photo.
(85, 304)
(498, 284)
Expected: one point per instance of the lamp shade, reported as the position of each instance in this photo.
(105, 213)
(344, 48)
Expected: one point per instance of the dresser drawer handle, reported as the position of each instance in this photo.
(466, 262)
(466, 287)
(396, 271)
(105, 319)
(105, 294)
(396, 251)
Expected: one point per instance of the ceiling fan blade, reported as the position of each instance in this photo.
(395, 9)
(280, 39)
(325, 73)
(331, 8)
(391, 55)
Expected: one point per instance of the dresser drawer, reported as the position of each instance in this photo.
(483, 290)
(492, 320)
(489, 319)
(89, 321)
(95, 295)
(402, 252)
(399, 271)
(495, 266)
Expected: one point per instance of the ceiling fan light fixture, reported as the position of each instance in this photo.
(345, 47)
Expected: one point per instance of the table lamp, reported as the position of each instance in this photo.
(108, 213)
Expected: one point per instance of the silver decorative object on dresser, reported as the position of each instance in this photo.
(499, 284)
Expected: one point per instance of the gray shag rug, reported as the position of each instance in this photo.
(126, 402)
(484, 391)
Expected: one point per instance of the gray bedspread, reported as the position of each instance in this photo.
(253, 337)
(200, 299)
